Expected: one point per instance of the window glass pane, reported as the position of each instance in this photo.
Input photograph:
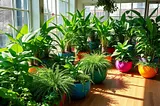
(60, 20)
(22, 18)
(5, 19)
(89, 9)
(22, 4)
(100, 12)
(6, 3)
(159, 10)
(62, 7)
(49, 6)
(125, 7)
(140, 7)
(151, 8)
(72, 6)
(116, 13)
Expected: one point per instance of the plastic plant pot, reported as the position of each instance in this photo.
(123, 66)
(99, 77)
(79, 90)
(147, 71)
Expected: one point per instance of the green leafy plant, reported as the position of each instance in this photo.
(109, 5)
(122, 52)
(77, 30)
(148, 36)
(105, 32)
(76, 73)
(51, 84)
(94, 62)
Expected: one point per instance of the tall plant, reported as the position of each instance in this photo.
(105, 32)
(77, 30)
(148, 37)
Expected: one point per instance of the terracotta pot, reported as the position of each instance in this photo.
(33, 70)
(110, 50)
(123, 66)
(109, 58)
(147, 71)
(80, 55)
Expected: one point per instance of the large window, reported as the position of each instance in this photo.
(56, 8)
(153, 6)
(122, 7)
(14, 12)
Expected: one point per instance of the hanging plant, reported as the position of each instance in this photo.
(109, 5)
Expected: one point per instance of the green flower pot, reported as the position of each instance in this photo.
(99, 77)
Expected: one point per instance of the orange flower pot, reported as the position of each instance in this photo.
(32, 70)
(80, 55)
(147, 71)
(109, 58)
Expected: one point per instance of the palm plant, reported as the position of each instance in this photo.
(53, 83)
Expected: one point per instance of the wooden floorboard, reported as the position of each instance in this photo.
(122, 89)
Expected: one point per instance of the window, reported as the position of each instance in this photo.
(14, 12)
(153, 6)
(98, 11)
(56, 8)
(116, 14)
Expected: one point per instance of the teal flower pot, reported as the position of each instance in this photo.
(79, 91)
(99, 77)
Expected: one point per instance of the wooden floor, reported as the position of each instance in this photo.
(120, 89)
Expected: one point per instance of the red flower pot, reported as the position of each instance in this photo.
(110, 50)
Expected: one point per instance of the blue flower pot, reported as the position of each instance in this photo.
(93, 45)
(79, 91)
(66, 54)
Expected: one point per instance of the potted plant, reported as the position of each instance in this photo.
(76, 31)
(147, 43)
(51, 86)
(82, 81)
(123, 57)
(108, 5)
(95, 65)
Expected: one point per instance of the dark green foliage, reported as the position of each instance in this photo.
(109, 5)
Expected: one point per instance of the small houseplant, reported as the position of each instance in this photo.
(123, 56)
(147, 46)
(82, 81)
(51, 85)
(96, 65)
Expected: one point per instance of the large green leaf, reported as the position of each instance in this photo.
(23, 31)
(153, 12)
(17, 48)
(149, 24)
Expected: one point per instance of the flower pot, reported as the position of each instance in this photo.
(93, 45)
(147, 71)
(123, 66)
(99, 77)
(33, 70)
(79, 91)
(80, 55)
(108, 58)
(110, 50)
(66, 54)
(61, 103)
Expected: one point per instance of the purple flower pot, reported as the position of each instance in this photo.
(123, 66)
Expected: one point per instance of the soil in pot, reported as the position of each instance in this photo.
(147, 71)
(79, 90)
(123, 66)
